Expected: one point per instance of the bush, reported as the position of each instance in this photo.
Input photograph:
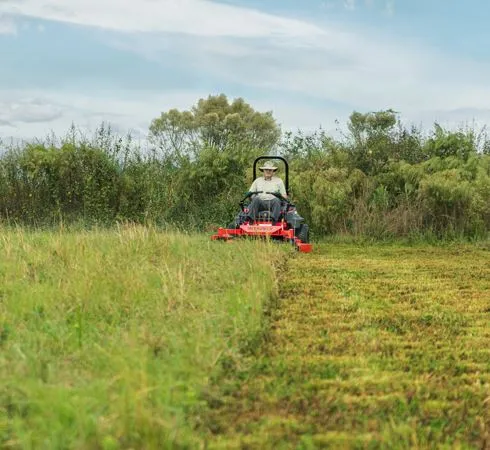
(382, 180)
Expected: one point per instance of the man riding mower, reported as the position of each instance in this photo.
(269, 213)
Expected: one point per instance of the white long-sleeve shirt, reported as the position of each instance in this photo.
(275, 184)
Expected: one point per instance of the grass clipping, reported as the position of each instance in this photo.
(108, 337)
(373, 347)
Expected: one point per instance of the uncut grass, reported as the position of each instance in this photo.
(107, 338)
(371, 347)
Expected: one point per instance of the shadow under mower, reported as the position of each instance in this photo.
(289, 228)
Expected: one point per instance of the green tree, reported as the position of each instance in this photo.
(213, 122)
(377, 138)
(447, 143)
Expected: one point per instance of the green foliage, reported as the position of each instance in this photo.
(452, 203)
(213, 122)
(332, 199)
(376, 138)
(209, 186)
(382, 179)
(74, 182)
(444, 143)
(402, 180)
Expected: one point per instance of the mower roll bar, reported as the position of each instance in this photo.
(280, 158)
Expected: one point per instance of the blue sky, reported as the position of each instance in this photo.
(310, 62)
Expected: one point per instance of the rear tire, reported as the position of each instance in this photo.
(304, 233)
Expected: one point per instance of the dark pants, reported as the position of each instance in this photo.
(257, 205)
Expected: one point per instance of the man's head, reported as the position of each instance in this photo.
(268, 169)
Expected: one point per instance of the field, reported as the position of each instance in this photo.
(135, 338)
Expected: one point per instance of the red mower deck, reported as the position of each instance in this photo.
(263, 230)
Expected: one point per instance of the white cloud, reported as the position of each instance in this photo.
(7, 24)
(28, 110)
(349, 68)
(195, 17)
(35, 113)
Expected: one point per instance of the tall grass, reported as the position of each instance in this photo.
(108, 337)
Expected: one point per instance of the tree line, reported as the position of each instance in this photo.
(379, 179)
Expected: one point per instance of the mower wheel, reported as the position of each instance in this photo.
(304, 233)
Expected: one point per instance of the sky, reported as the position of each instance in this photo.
(311, 62)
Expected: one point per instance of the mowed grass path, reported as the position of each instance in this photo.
(370, 347)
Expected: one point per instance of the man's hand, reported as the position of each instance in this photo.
(250, 193)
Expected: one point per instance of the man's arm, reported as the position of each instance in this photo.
(254, 188)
